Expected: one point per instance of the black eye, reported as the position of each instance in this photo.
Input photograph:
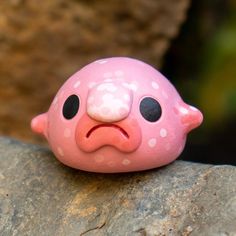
(150, 109)
(71, 107)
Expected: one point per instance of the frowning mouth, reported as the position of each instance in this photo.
(107, 125)
(91, 135)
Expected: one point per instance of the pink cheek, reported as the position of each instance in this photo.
(152, 142)
(167, 146)
(99, 158)
(160, 144)
(111, 164)
(67, 133)
(61, 134)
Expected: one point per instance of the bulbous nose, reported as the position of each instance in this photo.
(109, 102)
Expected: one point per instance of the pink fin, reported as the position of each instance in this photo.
(191, 117)
(39, 124)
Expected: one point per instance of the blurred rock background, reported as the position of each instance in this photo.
(43, 42)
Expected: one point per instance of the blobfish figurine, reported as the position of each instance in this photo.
(117, 115)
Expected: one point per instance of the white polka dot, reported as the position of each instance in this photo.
(163, 133)
(101, 61)
(55, 101)
(130, 86)
(126, 162)
(77, 84)
(111, 163)
(60, 151)
(155, 85)
(127, 97)
(119, 73)
(108, 87)
(91, 85)
(67, 133)
(183, 110)
(152, 142)
(193, 108)
(164, 94)
(99, 158)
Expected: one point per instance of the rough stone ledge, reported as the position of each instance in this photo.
(40, 196)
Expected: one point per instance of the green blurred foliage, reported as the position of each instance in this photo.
(202, 61)
(202, 64)
(217, 90)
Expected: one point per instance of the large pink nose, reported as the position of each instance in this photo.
(109, 102)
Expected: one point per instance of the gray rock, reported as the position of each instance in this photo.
(40, 196)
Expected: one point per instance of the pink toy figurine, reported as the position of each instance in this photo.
(117, 115)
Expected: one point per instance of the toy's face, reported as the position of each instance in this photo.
(117, 115)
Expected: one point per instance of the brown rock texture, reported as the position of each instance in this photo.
(40, 196)
(43, 42)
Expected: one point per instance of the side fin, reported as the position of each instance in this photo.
(39, 124)
(191, 117)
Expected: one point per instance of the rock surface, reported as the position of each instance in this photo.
(40, 196)
(41, 46)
